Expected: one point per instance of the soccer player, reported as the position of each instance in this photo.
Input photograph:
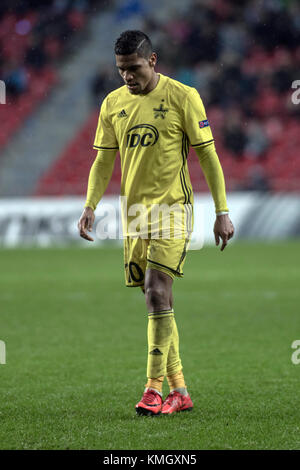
(153, 120)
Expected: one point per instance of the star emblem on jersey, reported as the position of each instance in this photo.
(160, 112)
(122, 114)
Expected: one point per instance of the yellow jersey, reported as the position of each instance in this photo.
(153, 133)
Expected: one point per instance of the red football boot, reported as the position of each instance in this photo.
(150, 404)
(175, 402)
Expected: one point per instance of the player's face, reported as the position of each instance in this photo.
(138, 73)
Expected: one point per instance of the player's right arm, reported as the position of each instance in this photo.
(99, 177)
(101, 170)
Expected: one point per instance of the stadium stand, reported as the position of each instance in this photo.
(34, 36)
(245, 80)
(242, 57)
(73, 171)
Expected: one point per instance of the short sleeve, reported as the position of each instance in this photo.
(195, 122)
(105, 135)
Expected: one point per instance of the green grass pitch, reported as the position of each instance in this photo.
(76, 350)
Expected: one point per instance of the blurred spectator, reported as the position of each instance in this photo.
(201, 44)
(233, 37)
(256, 180)
(105, 81)
(35, 56)
(15, 78)
(257, 142)
(187, 75)
(130, 8)
(234, 135)
(284, 71)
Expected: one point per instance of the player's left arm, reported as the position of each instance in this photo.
(198, 130)
(211, 167)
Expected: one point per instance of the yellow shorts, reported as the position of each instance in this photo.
(166, 255)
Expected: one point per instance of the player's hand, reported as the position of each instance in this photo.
(223, 229)
(86, 223)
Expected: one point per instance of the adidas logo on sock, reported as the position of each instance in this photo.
(156, 352)
(122, 113)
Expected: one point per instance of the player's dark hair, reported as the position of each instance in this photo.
(132, 41)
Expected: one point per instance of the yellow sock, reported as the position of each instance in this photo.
(174, 362)
(157, 383)
(176, 381)
(174, 367)
(160, 330)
